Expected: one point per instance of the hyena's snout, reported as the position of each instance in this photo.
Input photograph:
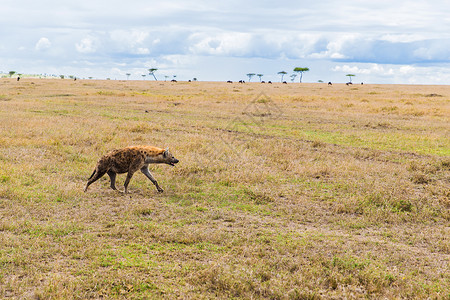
(173, 161)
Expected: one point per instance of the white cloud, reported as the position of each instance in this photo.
(403, 38)
(129, 38)
(407, 69)
(43, 44)
(366, 69)
(383, 40)
(142, 51)
(87, 45)
(229, 43)
(117, 71)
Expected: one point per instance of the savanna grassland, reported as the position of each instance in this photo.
(297, 191)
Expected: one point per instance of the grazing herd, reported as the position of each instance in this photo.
(284, 82)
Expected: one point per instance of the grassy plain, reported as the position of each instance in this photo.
(297, 191)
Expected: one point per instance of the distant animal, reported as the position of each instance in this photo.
(173, 80)
(241, 81)
(284, 82)
(329, 83)
(269, 82)
(229, 81)
(129, 160)
(263, 81)
(349, 83)
(18, 78)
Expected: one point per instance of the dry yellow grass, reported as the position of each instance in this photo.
(298, 191)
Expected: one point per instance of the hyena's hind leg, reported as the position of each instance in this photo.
(112, 176)
(94, 177)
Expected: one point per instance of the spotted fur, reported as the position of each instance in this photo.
(129, 160)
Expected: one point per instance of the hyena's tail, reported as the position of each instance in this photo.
(92, 174)
(89, 180)
(97, 174)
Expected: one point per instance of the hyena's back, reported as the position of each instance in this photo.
(120, 160)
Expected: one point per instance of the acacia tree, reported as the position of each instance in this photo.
(282, 73)
(260, 76)
(128, 75)
(250, 75)
(350, 77)
(11, 73)
(301, 70)
(152, 72)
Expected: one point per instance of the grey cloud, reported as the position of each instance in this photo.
(380, 51)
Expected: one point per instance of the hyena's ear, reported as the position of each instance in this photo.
(166, 152)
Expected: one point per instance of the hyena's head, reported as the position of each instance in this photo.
(168, 158)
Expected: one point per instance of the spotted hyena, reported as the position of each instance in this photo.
(129, 160)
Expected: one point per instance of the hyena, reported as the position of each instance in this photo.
(129, 160)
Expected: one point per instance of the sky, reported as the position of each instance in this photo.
(393, 42)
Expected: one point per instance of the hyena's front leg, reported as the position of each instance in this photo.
(135, 164)
(112, 176)
(152, 179)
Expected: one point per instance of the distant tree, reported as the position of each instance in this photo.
(11, 73)
(152, 72)
(320, 81)
(293, 77)
(250, 75)
(166, 77)
(350, 76)
(61, 76)
(301, 70)
(195, 79)
(128, 75)
(282, 73)
(90, 77)
(143, 76)
(260, 76)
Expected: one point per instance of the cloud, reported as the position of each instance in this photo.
(379, 40)
(221, 44)
(366, 69)
(407, 69)
(379, 50)
(87, 45)
(142, 51)
(128, 38)
(43, 44)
